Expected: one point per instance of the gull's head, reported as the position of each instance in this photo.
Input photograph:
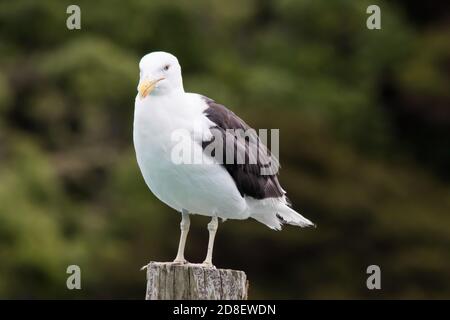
(159, 74)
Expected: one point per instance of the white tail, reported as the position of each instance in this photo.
(274, 213)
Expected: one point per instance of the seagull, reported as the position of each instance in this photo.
(165, 118)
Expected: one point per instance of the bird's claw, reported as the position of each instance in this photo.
(180, 261)
(208, 264)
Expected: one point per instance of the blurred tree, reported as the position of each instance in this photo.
(363, 116)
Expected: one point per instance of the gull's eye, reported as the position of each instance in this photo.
(166, 67)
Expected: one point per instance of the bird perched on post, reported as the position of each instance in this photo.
(166, 120)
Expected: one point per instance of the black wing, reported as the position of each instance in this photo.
(248, 176)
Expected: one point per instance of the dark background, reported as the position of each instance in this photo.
(364, 119)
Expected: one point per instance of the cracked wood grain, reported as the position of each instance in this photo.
(169, 281)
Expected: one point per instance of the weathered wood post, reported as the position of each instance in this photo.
(169, 281)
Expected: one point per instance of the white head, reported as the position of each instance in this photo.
(160, 74)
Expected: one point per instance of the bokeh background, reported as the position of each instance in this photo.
(364, 119)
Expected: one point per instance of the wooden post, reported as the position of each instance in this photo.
(169, 281)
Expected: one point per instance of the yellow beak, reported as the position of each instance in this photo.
(147, 86)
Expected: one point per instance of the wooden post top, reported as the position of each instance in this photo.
(170, 281)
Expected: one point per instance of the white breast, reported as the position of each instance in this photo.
(203, 188)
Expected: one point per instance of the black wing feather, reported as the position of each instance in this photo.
(247, 176)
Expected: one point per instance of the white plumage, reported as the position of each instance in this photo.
(163, 108)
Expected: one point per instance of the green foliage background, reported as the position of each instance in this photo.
(364, 120)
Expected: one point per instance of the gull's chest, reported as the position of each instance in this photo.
(161, 123)
(160, 127)
(161, 132)
(155, 124)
